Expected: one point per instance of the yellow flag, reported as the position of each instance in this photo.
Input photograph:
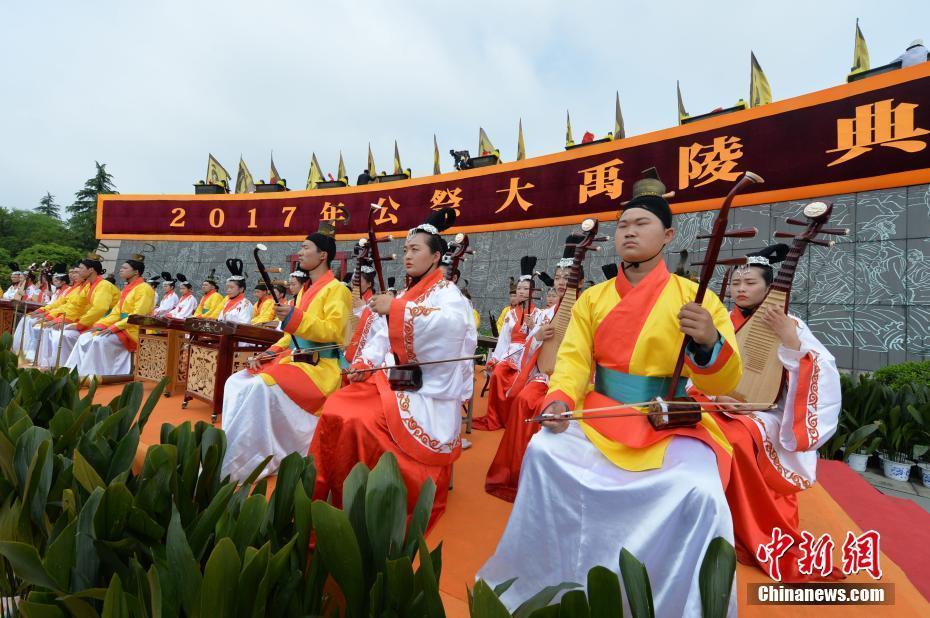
(619, 129)
(398, 166)
(521, 147)
(372, 169)
(860, 53)
(316, 174)
(244, 181)
(569, 141)
(273, 177)
(435, 155)
(341, 170)
(759, 91)
(216, 173)
(682, 114)
(484, 144)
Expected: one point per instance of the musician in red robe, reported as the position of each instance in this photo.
(427, 322)
(775, 452)
(507, 358)
(527, 392)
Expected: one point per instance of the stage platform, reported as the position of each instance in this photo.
(842, 501)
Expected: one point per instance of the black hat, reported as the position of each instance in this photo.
(137, 262)
(153, 280)
(546, 279)
(527, 265)
(390, 282)
(60, 271)
(14, 267)
(211, 278)
(649, 193)
(610, 271)
(764, 258)
(235, 268)
(513, 285)
(568, 253)
(182, 280)
(166, 276)
(436, 222)
(261, 286)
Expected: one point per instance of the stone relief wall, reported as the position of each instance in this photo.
(867, 298)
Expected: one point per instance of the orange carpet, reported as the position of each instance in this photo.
(474, 521)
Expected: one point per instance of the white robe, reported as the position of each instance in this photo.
(506, 349)
(797, 463)
(167, 304)
(567, 487)
(49, 346)
(443, 325)
(185, 307)
(241, 313)
(100, 355)
(10, 292)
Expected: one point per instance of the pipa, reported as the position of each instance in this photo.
(763, 374)
(563, 315)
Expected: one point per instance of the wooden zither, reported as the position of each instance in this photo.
(763, 375)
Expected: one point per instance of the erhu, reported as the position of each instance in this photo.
(763, 375)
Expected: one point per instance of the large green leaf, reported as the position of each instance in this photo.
(385, 510)
(33, 608)
(220, 580)
(353, 505)
(636, 584)
(182, 566)
(420, 518)
(115, 604)
(124, 455)
(86, 558)
(85, 474)
(604, 592)
(400, 583)
(337, 546)
(574, 604)
(282, 501)
(303, 517)
(38, 483)
(59, 558)
(276, 566)
(253, 569)
(26, 564)
(26, 447)
(151, 402)
(486, 604)
(155, 595)
(206, 523)
(249, 522)
(113, 513)
(158, 472)
(716, 578)
(130, 400)
(427, 578)
(542, 598)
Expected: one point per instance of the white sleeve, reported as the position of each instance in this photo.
(377, 345)
(503, 340)
(812, 401)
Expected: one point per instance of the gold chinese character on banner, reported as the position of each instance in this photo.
(451, 198)
(878, 124)
(513, 193)
(709, 163)
(601, 179)
(333, 212)
(384, 213)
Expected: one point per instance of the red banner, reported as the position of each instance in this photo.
(866, 135)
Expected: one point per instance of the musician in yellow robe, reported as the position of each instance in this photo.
(212, 300)
(589, 488)
(106, 349)
(271, 408)
(263, 309)
(83, 309)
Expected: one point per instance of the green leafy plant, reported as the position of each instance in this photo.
(603, 596)
(914, 373)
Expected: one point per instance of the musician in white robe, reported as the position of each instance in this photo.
(187, 303)
(170, 298)
(28, 329)
(15, 278)
(235, 307)
(428, 321)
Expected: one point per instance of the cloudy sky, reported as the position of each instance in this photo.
(151, 88)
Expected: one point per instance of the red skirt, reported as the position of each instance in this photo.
(498, 407)
(756, 507)
(504, 473)
(352, 428)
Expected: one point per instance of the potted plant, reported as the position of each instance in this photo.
(860, 445)
(898, 431)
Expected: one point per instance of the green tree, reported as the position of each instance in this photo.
(48, 251)
(48, 207)
(83, 212)
(5, 259)
(20, 229)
